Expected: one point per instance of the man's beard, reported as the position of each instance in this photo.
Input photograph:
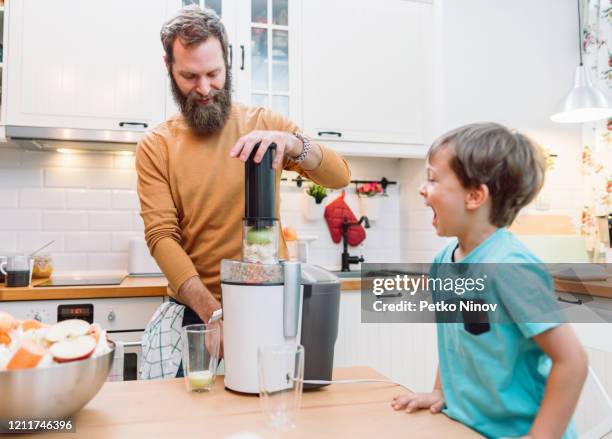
(204, 118)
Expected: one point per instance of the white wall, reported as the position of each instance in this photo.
(87, 203)
(509, 62)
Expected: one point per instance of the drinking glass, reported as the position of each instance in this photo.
(200, 355)
(281, 376)
(17, 270)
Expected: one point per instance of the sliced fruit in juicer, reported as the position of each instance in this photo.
(259, 236)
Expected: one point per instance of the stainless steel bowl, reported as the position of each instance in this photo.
(54, 392)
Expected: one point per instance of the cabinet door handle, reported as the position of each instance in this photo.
(231, 57)
(241, 57)
(144, 125)
(330, 133)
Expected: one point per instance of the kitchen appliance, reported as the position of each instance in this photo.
(54, 392)
(271, 302)
(140, 261)
(123, 318)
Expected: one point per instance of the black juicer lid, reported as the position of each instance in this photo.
(260, 189)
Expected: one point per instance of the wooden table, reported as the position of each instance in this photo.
(164, 409)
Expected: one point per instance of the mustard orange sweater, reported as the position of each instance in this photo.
(192, 193)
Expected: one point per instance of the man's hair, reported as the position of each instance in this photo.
(510, 164)
(193, 25)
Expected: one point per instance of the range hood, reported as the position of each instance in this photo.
(52, 139)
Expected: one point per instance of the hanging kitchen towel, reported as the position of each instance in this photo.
(162, 347)
(335, 213)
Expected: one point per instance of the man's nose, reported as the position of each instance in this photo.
(203, 86)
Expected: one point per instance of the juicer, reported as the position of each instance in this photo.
(267, 301)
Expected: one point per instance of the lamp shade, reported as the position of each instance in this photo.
(584, 103)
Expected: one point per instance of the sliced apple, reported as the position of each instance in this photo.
(67, 328)
(73, 349)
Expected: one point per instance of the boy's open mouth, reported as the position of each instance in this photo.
(434, 220)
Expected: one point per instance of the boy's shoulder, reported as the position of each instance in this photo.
(502, 246)
(508, 248)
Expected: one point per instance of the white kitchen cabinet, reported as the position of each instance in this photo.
(404, 352)
(86, 64)
(264, 40)
(364, 71)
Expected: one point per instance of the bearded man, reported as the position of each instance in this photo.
(191, 167)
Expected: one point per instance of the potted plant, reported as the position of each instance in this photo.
(312, 205)
(369, 195)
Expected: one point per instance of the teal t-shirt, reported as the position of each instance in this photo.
(494, 381)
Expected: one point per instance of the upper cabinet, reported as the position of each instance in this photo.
(85, 64)
(363, 76)
(263, 43)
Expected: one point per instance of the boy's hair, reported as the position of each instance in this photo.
(510, 164)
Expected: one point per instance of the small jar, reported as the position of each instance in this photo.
(43, 266)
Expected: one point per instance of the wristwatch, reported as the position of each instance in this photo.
(305, 148)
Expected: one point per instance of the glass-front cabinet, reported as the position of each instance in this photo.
(263, 39)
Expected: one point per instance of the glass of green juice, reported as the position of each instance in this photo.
(200, 356)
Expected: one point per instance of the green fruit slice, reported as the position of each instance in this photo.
(259, 236)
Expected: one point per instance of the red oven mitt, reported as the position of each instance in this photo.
(335, 212)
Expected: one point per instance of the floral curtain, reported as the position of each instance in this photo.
(597, 137)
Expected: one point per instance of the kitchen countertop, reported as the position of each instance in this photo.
(163, 408)
(156, 286)
(130, 287)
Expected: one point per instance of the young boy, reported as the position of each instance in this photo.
(498, 381)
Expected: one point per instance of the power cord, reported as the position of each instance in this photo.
(355, 381)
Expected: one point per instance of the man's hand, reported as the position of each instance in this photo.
(286, 144)
(208, 341)
(434, 401)
(196, 296)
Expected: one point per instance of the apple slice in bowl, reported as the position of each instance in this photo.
(66, 329)
(73, 349)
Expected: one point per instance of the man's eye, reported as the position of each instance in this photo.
(189, 77)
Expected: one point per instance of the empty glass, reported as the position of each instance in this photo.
(200, 355)
(281, 376)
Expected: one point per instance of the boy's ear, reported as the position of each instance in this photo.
(476, 197)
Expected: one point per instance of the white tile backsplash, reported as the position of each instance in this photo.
(42, 198)
(107, 261)
(90, 178)
(120, 240)
(69, 261)
(30, 241)
(8, 241)
(46, 159)
(127, 200)
(88, 199)
(10, 157)
(13, 219)
(108, 220)
(65, 220)
(88, 242)
(8, 198)
(18, 178)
